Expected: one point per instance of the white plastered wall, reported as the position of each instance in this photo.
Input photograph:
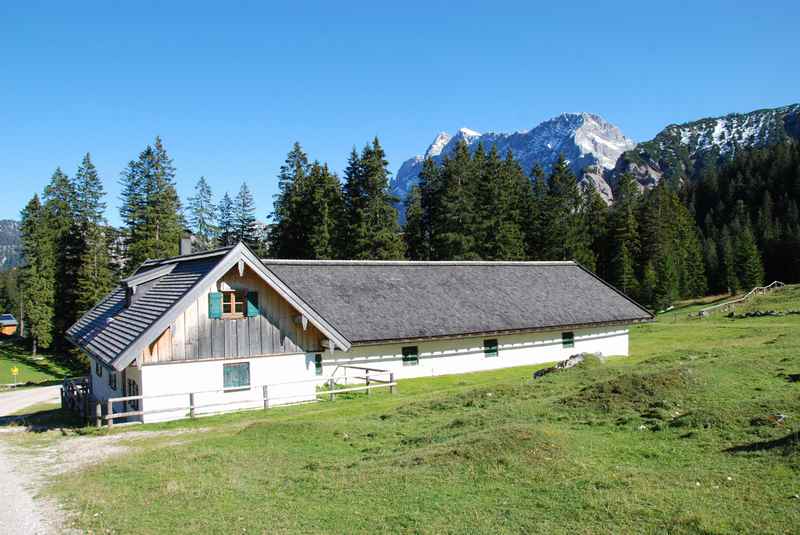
(205, 378)
(440, 357)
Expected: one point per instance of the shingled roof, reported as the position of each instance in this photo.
(110, 328)
(354, 302)
(382, 301)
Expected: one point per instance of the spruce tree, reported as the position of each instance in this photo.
(727, 261)
(244, 217)
(624, 236)
(285, 234)
(38, 274)
(151, 209)
(567, 237)
(749, 268)
(95, 275)
(372, 227)
(453, 220)
(225, 221)
(321, 215)
(60, 209)
(201, 215)
(414, 231)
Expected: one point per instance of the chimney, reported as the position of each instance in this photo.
(186, 244)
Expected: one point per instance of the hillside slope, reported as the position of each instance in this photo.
(697, 432)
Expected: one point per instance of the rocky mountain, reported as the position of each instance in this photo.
(10, 244)
(590, 143)
(679, 151)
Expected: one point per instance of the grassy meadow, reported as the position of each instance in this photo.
(43, 369)
(685, 436)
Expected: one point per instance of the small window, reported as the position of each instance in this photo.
(318, 364)
(133, 390)
(112, 380)
(233, 304)
(567, 340)
(410, 356)
(236, 376)
(490, 348)
(98, 368)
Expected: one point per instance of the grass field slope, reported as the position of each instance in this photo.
(42, 370)
(696, 432)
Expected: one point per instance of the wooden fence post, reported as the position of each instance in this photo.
(191, 404)
(331, 386)
(266, 396)
(98, 414)
(110, 413)
(391, 381)
(369, 390)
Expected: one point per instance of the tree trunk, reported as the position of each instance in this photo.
(34, 347)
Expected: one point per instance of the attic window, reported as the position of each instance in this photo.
(233, 304)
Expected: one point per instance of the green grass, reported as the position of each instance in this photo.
(45, 369)
(678, 438)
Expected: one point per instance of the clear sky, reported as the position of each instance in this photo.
(230, 85)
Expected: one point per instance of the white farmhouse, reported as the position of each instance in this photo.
(223, 325)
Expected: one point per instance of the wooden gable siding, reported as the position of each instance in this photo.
(193, 335)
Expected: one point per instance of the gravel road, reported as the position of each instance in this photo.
(19, 512)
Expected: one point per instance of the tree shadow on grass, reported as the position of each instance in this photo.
(789, 444)
(44, 420)
(16, 352)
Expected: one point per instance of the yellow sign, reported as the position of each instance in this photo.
(14, 371)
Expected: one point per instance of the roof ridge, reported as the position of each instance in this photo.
(287, 261)
(192, 256)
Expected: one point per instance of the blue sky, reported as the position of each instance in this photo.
(230, 85)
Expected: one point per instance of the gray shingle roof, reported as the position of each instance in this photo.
(376, 301)
(109, 328)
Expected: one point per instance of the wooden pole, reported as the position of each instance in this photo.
(369, 390)
(266, 397)
(110, 414)
(98, 414)
(191, 404)
(331, 386)
(392, 389)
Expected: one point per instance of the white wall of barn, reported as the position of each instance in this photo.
(172, 382)
(292, 378)
(462, 355)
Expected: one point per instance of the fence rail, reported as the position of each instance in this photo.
(729, 305)
(266, 399)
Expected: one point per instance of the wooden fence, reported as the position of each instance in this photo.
(731, 305)
(372, 377)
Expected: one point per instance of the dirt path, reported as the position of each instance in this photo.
(20, 512)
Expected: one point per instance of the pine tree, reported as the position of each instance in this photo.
(60, 209)
(201, 215)
(594, 214)
(566, 237)
(151, 209)
(453, 217)
(727, 262)
(284, 236)
(750, 270)
(38, 274)
(322, 214)
(244, 217)
(417, 241)
(225, 221)
(536, 216)
(498, 221)
(372, 228)
(95, 275)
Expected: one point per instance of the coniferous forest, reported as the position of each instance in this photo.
(731, 227)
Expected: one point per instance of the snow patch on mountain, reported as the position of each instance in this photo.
(585, 140)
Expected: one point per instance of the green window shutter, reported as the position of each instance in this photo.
(252, 304)
(410, 356)
(490, 347)
(568, 340)
(215, 305)
(318, 364)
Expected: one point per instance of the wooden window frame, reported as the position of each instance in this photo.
(240, 387)
(230, 300)
(491, 348)
(410, 356)
(568, 340)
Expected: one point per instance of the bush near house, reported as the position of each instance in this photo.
(697, 432)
